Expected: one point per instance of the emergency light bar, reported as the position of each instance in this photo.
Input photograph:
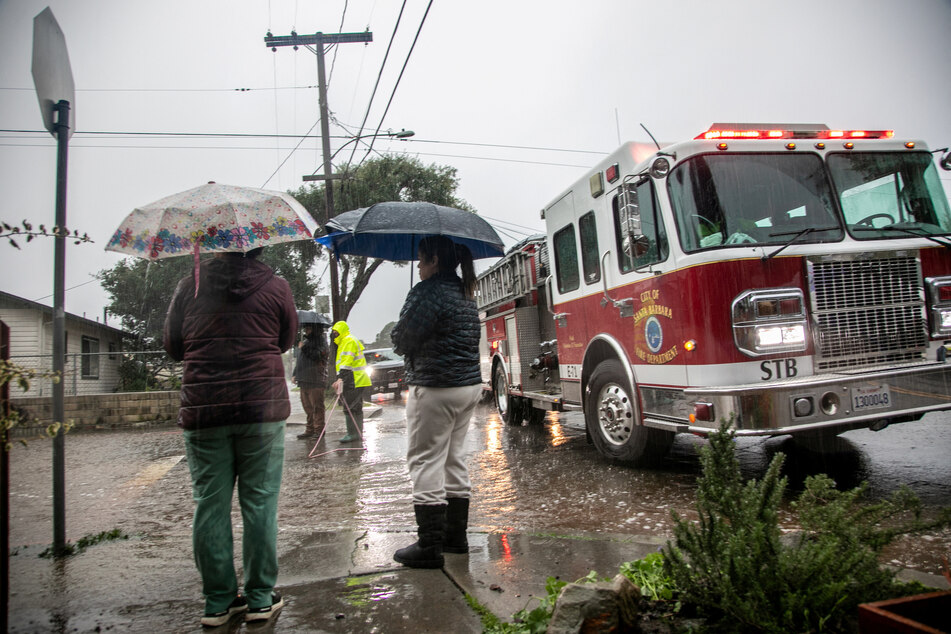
(818, 132)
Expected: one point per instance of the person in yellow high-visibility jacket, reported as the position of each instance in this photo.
(352, 379)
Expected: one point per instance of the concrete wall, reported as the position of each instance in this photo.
(101, 411)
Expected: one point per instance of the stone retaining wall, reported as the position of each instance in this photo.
(100, 411)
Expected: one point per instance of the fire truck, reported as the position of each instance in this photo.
(788, 279)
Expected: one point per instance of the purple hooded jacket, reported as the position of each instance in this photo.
(231, 337)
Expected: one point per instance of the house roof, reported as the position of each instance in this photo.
(14, 301)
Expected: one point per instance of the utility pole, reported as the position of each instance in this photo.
(318, 40)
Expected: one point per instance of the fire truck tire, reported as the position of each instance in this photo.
(611, 419)
(824, 443)
(508, 406)
(535, 416)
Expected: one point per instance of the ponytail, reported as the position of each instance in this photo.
(464, 258)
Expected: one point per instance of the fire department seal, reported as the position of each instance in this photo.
(653, 334)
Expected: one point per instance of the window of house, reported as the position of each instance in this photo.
(590, 262)
(90, 358)
(566, 259)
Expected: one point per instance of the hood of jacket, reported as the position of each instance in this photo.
(234, 278)
(342, 330)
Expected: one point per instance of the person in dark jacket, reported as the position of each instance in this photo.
(438, 335)
(234, 403)
(310, 375)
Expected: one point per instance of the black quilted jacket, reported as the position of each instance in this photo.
(438, 334)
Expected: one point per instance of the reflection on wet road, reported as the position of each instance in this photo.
(543, 479)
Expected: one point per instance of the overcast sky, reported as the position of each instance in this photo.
(520, 97)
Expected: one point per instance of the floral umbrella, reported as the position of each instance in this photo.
(212, 218)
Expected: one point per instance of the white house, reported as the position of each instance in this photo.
(92, 348)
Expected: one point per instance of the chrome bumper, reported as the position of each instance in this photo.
(767, 410)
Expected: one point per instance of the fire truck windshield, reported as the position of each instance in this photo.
(723, 200)
(890, 194)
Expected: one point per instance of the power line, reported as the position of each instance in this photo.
(507, 222)
(44, 133)
(512, 147)
(290, 154)
(504, 160)
(80, 133)
(174, 89)
(379, 75)
(400, 77)
(78, 146)
(95, 278)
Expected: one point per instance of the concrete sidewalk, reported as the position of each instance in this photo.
(332, 582)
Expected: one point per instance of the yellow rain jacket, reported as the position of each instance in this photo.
(350, 356)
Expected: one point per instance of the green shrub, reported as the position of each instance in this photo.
(733, 565)
(648, 574)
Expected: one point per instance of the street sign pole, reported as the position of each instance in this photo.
(53, 78)
(59, 331)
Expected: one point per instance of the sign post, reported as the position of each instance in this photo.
(53, 79)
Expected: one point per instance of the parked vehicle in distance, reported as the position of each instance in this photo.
(386, 371)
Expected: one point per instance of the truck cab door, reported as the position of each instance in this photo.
(639, 255)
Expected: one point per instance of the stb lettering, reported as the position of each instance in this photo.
(778, 369)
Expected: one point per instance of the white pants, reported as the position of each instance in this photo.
(437, 419)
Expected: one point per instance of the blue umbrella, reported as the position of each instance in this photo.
(392, 231)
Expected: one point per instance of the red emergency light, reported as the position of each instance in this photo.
(799, 133)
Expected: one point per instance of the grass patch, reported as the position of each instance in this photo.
(85, 542)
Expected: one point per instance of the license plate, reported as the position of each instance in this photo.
(871, 397)
(393, 385)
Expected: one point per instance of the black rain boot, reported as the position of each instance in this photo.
(457, 520)
(427, 552)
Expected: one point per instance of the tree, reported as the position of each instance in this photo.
(383, 339)
(381, 179)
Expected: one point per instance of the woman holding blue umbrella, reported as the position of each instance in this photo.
(438, 335)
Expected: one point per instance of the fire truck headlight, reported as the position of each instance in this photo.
(939, 298)
(782, 336)
(769, 321)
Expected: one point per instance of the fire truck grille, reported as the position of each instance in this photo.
(867, 312)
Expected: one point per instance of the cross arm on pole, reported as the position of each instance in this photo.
(294, 39)
(319, 39)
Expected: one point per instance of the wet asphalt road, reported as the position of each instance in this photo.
(542, 479)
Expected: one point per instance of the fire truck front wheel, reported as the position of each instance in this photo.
(611, 417)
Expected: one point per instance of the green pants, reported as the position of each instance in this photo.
(252, 454)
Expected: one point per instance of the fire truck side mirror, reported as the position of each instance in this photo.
(630, 218)
(635, 245)
(946, 162)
